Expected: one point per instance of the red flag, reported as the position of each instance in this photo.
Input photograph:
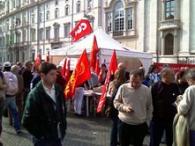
(113, 63)
(65, 72)
(94, 53)
(37, 61)
(111, 71)
(79, 75)
(97, 67)
(102, 100)
(81, 29)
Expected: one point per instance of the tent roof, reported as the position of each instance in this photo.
(105, 42)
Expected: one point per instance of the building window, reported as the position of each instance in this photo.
(89, 5)
(13, 4)
(169, 9)
(24, 19)
(119, 17)
(18, 21)
(169, 44)
(109, 21)
(24, 36)
(48, 33)
(78, 7)
(129, 18)
(56, 2)
(56, 32)
(41, 34)
(12, 38)
(56, 13)
(33, 35)
(41, 15)
(66, 30)
(47, 6)
(32, 17)
(1, 41)
(13, 22)
(66, 10)
(47, 15)
(18, 37)
(18, 3)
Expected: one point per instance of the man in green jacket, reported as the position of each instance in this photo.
(45, 111)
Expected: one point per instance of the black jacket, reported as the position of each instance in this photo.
(42, 115)
(163, 98)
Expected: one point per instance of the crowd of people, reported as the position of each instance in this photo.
(137, 104)
(148, 104)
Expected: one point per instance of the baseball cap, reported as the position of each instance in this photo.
(7, 64)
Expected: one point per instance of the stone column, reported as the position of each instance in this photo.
(162, 46)
(163, 11)
(176, 42)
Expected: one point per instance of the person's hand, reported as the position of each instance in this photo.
(128, 109)
(179, 98)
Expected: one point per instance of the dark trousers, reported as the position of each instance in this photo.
(114, 131)
(157, 129)
(192, 138)
(48, 142)
(132, 134)
(1, 112)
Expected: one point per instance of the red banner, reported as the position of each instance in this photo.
(81, 74)
(65, 72)
(93, 55)
(174, 67)
(111, 71)
(81, 29)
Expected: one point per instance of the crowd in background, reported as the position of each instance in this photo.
(137, 104)
(151, 104)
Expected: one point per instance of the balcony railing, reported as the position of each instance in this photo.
(127, 33)
(170, 24)
(118, 33)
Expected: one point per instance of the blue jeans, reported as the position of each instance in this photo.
(10, 103)
(192, 138)
(48, 142)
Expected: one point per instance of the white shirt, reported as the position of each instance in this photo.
(51, 92)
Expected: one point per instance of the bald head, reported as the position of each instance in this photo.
(121, 66)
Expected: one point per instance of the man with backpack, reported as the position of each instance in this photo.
(10, 94)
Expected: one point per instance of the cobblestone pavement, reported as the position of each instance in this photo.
(80, 132)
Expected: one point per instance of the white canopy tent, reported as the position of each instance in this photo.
(106, 44)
